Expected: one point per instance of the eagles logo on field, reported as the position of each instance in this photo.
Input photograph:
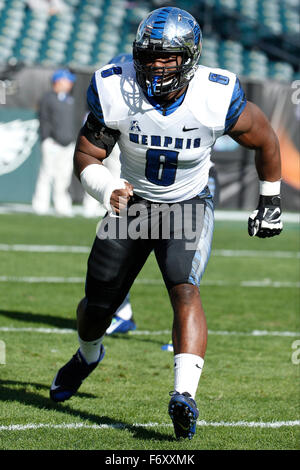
(17, 140)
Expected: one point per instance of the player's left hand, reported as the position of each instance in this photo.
(265, 221)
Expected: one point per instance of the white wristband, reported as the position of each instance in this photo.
(269, 188)
(100, 183)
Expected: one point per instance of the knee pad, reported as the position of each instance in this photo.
(102, 298)
(98, 311)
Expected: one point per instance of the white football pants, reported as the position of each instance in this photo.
(54, 177)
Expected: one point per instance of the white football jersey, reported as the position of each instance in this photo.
(166, 157)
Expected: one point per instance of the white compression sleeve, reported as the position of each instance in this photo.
(99, 183)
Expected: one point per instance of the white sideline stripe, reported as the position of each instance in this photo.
(244, 424)
(45, 248)
(86, 249)
(63, 331)
(80, 280)
(227, 215)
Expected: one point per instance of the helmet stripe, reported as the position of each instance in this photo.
(159, 24)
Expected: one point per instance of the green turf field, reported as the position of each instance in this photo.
(248, 394)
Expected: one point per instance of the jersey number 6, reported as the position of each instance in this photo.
(161, 166)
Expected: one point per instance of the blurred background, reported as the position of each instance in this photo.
(257, 39)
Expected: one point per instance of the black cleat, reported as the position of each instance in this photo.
(69, 378)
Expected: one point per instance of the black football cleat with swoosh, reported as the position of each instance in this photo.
(69, 378)
(184, 413)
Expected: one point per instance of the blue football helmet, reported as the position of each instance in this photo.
(166, 31)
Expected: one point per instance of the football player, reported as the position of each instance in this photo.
(166, 113)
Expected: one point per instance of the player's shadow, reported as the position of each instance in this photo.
(31, 317)
(26, 396)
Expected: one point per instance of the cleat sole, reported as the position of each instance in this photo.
(184, 418)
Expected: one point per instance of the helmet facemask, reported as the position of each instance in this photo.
(165, 79)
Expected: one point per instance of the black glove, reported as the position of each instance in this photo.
(265, 220)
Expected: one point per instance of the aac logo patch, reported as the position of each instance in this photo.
(17, 139)
(134, 126)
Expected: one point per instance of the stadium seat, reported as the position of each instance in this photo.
(92, 31)
(232, 4)
(209, 54)
(281, 71)
(249, 8)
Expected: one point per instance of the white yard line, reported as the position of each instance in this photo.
(80, 280)
(58, 331)
(43, 279)
(256, 254)
(63, 331)
(242, 424)
(242, 216)
(85, 249)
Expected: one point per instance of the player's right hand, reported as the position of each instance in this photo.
(120, 197)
